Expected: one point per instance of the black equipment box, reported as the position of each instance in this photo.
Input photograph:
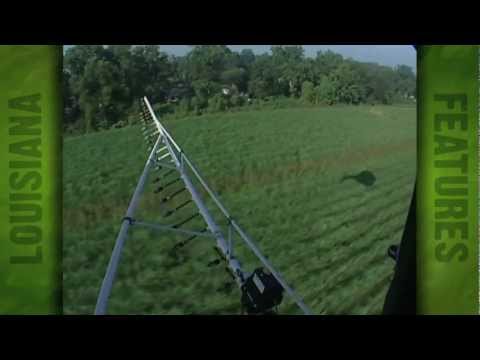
(261, 292)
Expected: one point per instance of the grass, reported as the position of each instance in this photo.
(278, 172)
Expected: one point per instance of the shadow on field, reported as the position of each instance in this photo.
(366, 178)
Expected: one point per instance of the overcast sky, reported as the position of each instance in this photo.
(390, 55)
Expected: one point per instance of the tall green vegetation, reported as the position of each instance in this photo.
(102, 83)
(282, 183)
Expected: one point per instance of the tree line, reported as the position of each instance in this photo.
(102, 84)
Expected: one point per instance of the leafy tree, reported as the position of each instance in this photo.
(326, 91)
(235, 77)
(264, 78)
(77, 57)
(151, 73)
(103, 94)
(204, 90)
(326, 62)
(348, 87)
(287, 61)
(206, 62)
(247, 58)
(71, 106)
(102, 83)
(404, 81)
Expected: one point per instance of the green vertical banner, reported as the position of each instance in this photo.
(447, 199)
(30, 179)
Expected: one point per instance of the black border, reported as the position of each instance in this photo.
(224, 22)
(233, 334)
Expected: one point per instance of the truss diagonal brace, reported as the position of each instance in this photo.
(102, 301)
(170, 228)
(178, 158)
(164, 165)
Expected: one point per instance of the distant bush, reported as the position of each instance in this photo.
(237, 101)
(284, 102)
(217, 103)
(118, 124)
(308, 93)
(325, 91)
(163, 109)
(183, 108)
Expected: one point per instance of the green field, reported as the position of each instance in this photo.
(279, 173)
